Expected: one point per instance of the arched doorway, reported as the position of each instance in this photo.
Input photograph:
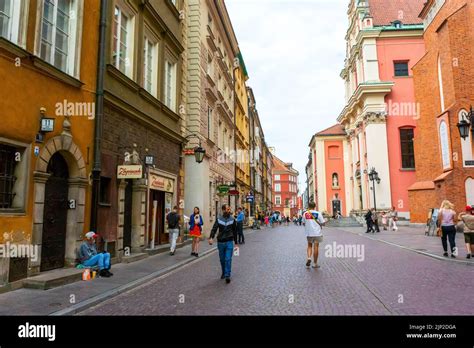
(55, 214)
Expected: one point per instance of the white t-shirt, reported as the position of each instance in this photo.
(312, 228)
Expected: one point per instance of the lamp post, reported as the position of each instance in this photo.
(374, 176)
(199, 151)
(464, 125)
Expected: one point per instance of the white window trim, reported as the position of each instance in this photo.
(277, 177)
(18, 20)
(131, 13)
(210, 123)
(75, 36)
(277, 198)
(149, 36)
(277, 187)
(174, 78)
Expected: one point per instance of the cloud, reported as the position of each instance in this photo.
(294, 51)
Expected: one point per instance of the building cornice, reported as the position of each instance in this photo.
(364, 89)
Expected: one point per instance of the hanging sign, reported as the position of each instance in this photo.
(160, 183)
(130, 172)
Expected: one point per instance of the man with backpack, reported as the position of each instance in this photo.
(173, 220)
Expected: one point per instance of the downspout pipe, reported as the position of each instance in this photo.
(99, 116)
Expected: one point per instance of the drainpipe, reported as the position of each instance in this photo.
(97, 168)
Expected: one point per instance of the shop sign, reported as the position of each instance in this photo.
(130, 172)
(234, 192)
(223, 189)
(161, 183)
(149, 160)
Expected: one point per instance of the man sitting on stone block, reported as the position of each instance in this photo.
(89, 257)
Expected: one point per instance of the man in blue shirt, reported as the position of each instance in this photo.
(89, 257)
(240, 226)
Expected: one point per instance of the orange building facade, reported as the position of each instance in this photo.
(285, 187)
(48, 68)
(444, 87)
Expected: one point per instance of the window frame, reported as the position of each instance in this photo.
(397, 62)
(73, 62)
(277, 187)
(277, 198)
(403, 153)
(21, 171)
(18, 18)
(149, 36)
(173, 61)
(131, 14)
(277, 177)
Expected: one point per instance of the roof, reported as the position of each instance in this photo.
(280, 166)
(422, 185)
(384, 12)
(337, 129)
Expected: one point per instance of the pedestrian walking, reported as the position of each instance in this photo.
(369, 221)
(392, 219)
(313, 222)
(195, 230)
(267, 220)
(227, 236)
(384, 220)
(466, 224)
(173, 219)
(240, 226)
(300, 218)
(375, 218)
(287, 221)
(447, 220)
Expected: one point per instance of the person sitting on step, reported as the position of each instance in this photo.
(89, 257)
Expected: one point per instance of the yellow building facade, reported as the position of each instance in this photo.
(48, 65)
(242, 136)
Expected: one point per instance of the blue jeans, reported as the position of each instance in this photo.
(226, 250)
(101, 260)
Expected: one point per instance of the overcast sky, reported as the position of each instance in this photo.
(294, 51)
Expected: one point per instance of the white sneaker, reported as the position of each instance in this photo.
(315, 265)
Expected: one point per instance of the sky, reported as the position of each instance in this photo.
(294, 51)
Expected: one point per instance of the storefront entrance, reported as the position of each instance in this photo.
(157, 215)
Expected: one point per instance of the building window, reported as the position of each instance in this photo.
(408, 150)
(13, 177)
(210, 124)
(150, 63)
(12, 20)
(104, 195)
(277, 200)
(277, 177)
(58, 39)
(123, 40)
(170, 85)
(277, 187)
(401, 69)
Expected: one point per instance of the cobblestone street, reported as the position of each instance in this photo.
(270, 278)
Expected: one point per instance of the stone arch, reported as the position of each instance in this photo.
(77, 187)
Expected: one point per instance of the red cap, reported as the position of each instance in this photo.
(468, 208)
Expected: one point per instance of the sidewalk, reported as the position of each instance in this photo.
(413, 238)
(126, 276)
(72, 298)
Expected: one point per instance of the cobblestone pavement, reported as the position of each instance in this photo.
(270, 278)
(413, 237)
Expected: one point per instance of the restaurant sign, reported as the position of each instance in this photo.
(130, 172)
(160, 183)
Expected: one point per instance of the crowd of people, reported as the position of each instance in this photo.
(388, 218)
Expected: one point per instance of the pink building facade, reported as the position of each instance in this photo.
(384, 42)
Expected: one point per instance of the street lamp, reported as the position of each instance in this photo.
(374, 177)
(199, 151)
(464, 124)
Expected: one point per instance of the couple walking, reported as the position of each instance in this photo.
(173, 220)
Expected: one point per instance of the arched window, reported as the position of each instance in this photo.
(444, 141)
(440, 80)
(470, 191)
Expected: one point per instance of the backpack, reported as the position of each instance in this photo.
(173, 220)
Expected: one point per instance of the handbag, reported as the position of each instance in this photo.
(439, 232)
